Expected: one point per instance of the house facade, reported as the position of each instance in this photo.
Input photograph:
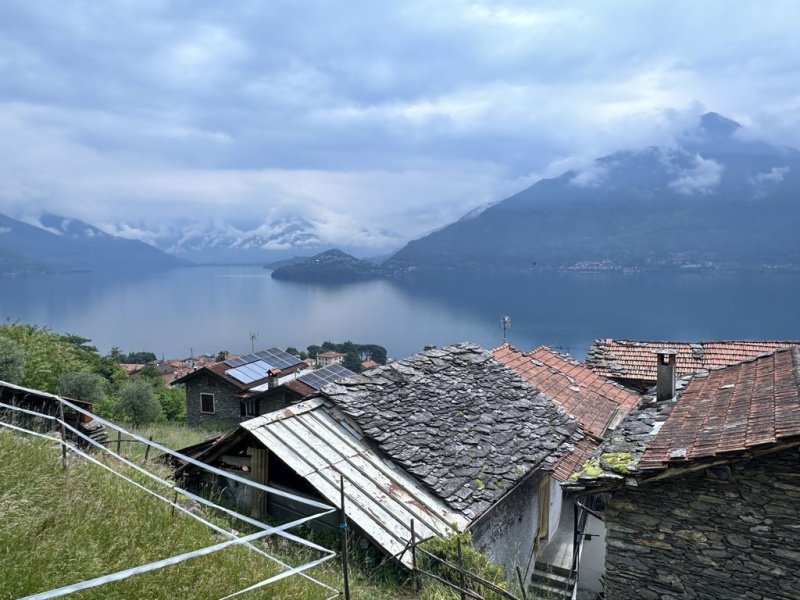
(701, 489)
(328, 358)
(222, 392)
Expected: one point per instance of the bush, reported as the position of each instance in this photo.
(82, 385)
(138, 405)
(12, 361)
(472, 560)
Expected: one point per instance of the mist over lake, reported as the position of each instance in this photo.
(206, 309)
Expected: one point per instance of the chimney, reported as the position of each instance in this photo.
(665, 374)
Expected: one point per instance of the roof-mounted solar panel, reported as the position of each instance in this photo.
(235, 362)
(321, 377)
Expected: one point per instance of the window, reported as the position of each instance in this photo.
(249, 407)
(207, 403)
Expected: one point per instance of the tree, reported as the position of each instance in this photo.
(138, 405)
(173, 402)
(295, 352)
(352, 362)
(82, 385)
(116, 355)
(47, 355)
(373, 352)
(12, 361)
(313, 350)
(141, 358)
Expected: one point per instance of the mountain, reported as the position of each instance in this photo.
(52, 244)
(713, 200)
(332, 266)
(241, 243)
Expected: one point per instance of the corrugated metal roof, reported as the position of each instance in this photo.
(314, 439)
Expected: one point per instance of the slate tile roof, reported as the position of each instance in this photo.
(635, 360)
(719, 414)
(588, 397)
(460, 421)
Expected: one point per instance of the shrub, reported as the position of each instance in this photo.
(138, 405)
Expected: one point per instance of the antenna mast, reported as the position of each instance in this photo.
(505, 323)
(253, 336)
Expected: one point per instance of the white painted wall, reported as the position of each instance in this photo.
(593, 558)
(556, 499)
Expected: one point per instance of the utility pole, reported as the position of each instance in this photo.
(253, 336)
(505, 323)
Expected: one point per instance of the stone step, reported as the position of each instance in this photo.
(540, 566)
(549, 581)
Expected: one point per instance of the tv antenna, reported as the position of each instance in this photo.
(253, 336)
(505, 323)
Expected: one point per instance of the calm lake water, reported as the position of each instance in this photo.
(206, 309)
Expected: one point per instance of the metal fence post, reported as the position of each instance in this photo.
(343, 530)
(147, 449)
(417, 585)
(63, 436)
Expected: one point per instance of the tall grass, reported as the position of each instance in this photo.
(64, 526)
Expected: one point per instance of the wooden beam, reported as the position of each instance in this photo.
(260, 474)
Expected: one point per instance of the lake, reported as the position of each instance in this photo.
(206, 309)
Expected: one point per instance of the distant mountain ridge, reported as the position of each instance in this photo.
(54, 244)
(715, 200)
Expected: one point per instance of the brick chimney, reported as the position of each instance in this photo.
(665, 374)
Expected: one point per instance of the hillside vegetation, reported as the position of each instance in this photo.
(64, 526)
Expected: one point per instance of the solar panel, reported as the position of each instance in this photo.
(321, 377)
(250, 372)
(235, 362)
(279, 358)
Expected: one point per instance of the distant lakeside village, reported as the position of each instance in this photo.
(654, 469)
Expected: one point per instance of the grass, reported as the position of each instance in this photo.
(64, 526)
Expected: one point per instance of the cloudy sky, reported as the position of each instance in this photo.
(374, 121)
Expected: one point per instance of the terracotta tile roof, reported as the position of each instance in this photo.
(635, 360)
(731, 409)
(589, 398)
(750, 406)
(569, 463)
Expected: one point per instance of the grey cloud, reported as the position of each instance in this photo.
(702, 178)
(419, 110)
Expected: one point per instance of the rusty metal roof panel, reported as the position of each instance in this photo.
(317, 442)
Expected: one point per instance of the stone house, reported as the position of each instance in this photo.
(598, 405)
(447, 436)
(630, 362)
(701, 486)
(222, 392)
(329, 357)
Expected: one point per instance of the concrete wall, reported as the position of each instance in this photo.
(719, 533)
(227, 406)
(506, 534)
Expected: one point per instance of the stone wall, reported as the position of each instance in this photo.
(506, 534)
(720, 533)
(227, 407)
